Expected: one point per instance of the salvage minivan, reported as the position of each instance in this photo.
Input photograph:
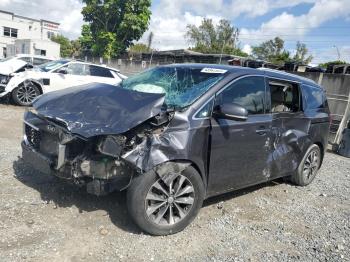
(175, 135)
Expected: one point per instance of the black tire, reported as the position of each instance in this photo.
(137, 203)
(24, 94)
(302, 177)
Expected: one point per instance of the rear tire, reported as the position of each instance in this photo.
(162, 213)
(25, 94)
(308, 167)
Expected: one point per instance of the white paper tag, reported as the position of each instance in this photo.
(213, 71)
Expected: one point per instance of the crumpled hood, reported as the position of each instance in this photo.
(11, 66)
(99, 109)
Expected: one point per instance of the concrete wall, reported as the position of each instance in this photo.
(337, 87)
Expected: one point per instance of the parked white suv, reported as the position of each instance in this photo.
(26, 86)
(17, 64)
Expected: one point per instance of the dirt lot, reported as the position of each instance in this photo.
(43, 218)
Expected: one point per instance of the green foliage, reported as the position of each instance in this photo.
(114, 24)
(208, 38)
(301, 54)
(273, 51)
(139, 48)
(336, 62)
(76, 48)
(86, 40)
(66, 46)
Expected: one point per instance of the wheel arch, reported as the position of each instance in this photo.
(180, 164)
(37, 84)
(322, 149)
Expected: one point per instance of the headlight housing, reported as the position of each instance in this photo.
(4, 79)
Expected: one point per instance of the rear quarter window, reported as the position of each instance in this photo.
(100, 71)
(314, 97)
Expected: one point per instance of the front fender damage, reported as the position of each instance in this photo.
(170, 170)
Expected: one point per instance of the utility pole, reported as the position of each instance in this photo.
(222, 50)
(235, 37)
(337, 52)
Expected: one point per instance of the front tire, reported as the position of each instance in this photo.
(308, 167)
(161, 209)
(25, 94)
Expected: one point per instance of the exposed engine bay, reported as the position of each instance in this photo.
(96, 161)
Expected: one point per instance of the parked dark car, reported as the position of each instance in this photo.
(175, 135)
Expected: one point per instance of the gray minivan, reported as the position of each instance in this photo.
(174, 135)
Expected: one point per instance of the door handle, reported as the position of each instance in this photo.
(261, 131)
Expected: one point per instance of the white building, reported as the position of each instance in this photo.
(19, 34)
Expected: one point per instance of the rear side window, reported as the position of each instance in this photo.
(99, 71)
(314, 97)
(248, 92)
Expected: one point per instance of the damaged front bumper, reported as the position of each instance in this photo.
(52, 150)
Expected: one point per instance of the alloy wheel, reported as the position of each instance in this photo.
(26, 93)
(311, 164)
(169, 204)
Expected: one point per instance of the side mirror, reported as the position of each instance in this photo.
(29, 66)
(62, 71)
(231, 111)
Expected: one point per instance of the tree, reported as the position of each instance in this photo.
(301, 54)
(75, 48)
(272, 51)
(65, 45)
(114, 24)
(336, 62)
(208, 38)
(139, 48)
(86, 40)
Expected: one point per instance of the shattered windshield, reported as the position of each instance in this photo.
(46, 67)
(181, 85)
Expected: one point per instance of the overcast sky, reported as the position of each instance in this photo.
(322, 24)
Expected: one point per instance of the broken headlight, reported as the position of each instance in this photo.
(112, 145)
(4, 79)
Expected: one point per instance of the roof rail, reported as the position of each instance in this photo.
(286, 74)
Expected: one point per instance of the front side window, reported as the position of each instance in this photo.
(182, 85)
(46, 67)
(284, 96)
(76, 69)
(248, 92)
(205, 111)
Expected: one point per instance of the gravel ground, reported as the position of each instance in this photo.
(43, 218)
